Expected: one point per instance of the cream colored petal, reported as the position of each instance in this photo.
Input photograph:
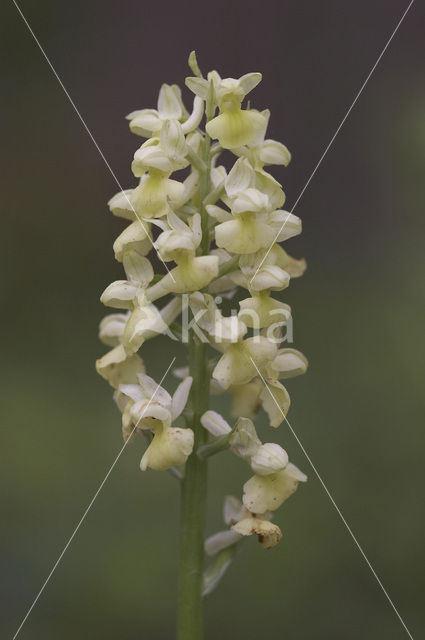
(261, 350)
(271, 187)
(151, 157)
(236, 128)
(240, 178)
(218, 213)
(273, 152)
(243, 235)
(132, 391)
(120, 205)
(111, 328)
(195, 117)
(169, 447)
(153, 391)
(289, 363)
(198, 86)
(233, 510)
(145, 322)
(246, 398)
(180, 397)
(173, 142)
(267, 493)
(119, 294)
(268, 533)
(276, 402)
(155, 194)
(234, 366)
(263, 311)
(285, 225)
(249, 81)
(150, 414)
(119, 368)
(244, 440)
(221, 540)
(145, 122)
(169, 106)
(251, 200)
(215, 424)
(134, 237)
(137, 268)
(193, 275)
(269, 458)
(269, 277)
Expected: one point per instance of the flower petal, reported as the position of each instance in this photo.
(119, 368)
(276, 402)
(215, 424)
(221, 540)
(120, 294)
(169, 447)
(268, 533)
(180, 397)
(169, 106)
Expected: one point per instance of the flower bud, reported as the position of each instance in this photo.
(269, 458)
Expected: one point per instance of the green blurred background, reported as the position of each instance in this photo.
(358, 316)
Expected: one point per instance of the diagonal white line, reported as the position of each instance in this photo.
(334, 135)
(334, 503)
(83, 517)
(102, 155)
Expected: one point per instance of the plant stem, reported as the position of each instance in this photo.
(190, 617)
(190, 624)
(204, 189)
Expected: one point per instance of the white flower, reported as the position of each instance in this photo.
(263, 311)
(117, 367)
(157, 194)
(265, 152)
(268, 533)
(273, 396)
(122, 293)
(288, 363)
(191, 274)
(267, 492)
(269, 458)
(169, 447)
(135, 237)
(222, 330)
(238, 364)
(151, 407)
(242, 523)
(234, 126)
(147, 321)
(179, 237)
(267, 269)
(147, 122)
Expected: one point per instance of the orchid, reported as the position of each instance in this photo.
(200, 234)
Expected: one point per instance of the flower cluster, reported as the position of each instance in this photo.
(215, 232)
(274, 480)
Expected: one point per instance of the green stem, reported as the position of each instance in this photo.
(190, 624)
(221, 443)
(204, 189)
(190, 616)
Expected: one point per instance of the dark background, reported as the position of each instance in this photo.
(358, 314)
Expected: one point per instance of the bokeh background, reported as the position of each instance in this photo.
(358, 315)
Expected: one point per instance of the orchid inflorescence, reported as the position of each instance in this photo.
(219, 230)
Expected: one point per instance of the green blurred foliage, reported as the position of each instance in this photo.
(358, 314)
